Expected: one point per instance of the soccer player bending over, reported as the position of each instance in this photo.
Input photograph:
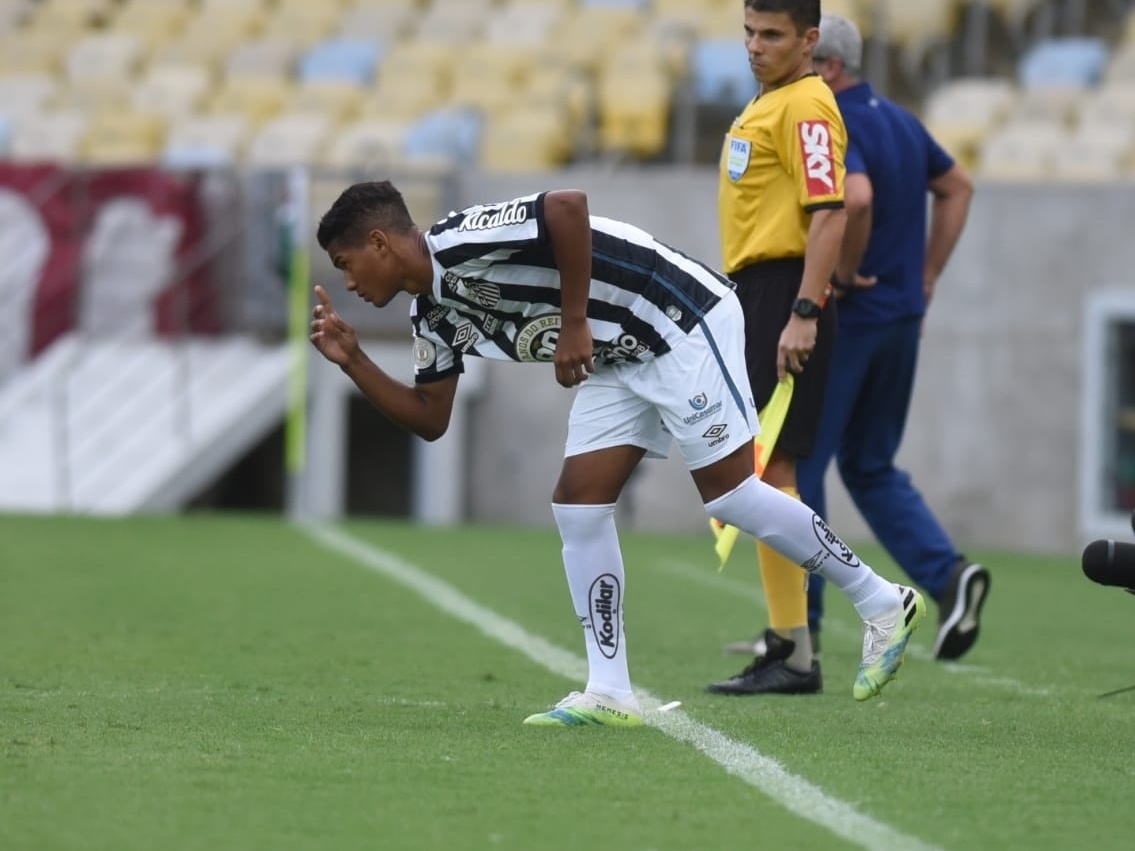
(655, 343)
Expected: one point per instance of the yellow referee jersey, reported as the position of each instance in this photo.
(783, 159)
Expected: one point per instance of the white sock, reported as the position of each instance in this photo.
(594, 568)
(796, 532)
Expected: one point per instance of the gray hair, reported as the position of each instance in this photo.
(840, 37)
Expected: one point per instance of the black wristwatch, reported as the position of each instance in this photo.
(806, 308)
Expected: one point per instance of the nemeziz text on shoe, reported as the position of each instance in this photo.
(588, 709)
(884, 643)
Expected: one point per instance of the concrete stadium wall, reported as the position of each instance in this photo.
(993, 435)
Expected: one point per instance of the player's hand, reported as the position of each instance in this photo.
(797, 341)
(574, 359)
(330, 334)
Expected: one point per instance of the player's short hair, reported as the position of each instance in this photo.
(804, 13)
(840, 37)
(359, 210)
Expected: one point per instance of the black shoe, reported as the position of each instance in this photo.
(769, 675)
(756, 646)
(959, 610)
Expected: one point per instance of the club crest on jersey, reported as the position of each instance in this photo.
(498, 215)
(425, 353)
(816, 150)
(536, 340)
(737, 157)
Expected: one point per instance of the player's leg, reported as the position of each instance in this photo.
(609, 432)
(723, 473)
(845, 375)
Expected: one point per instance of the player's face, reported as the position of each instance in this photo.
(371, 269)
(778, 54)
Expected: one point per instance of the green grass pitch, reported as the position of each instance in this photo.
(230, 682)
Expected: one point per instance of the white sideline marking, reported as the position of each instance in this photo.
(751, 591)
(768, 776)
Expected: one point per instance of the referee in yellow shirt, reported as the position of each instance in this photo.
(782, 221)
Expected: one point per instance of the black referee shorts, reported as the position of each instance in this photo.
(766, 291)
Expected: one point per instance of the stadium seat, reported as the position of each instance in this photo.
(1082, 163)
(103, 56)
(339, 100)
(582, 39)
(201, 141)
(487, 76)
(452, 24)
(1064, 62)
(24, 93)
(386, 23)
(1109, 102)
(570, 88)
(450, 134)
(122, 138)
(524, 140)
(257, 98)
(152, 23)
(352, 60)
(1022, 151)
(634, 113)
(524, 23)
(48, 137)
(367, 143)
(289, 139)
(721, 73)
(69, 16)
(23, 52)
(172, 90)
(305, 22)
(1048, 103)
(262, 57)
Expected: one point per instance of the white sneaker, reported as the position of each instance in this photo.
(589, 708)
(884, 643)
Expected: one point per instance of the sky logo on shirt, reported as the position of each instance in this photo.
(816, 149)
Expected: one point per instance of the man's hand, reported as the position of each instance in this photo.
(574, 359)
(334, 338)
(795, 347)
(858, 282)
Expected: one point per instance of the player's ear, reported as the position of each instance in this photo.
(378, 240)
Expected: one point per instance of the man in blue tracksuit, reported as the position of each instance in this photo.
(890, 261)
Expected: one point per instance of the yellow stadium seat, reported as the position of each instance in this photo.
(304, 22)
(31, 53)
(388, 22)
(1022, 151)
(557, 86)
(270, 56)
(524, 23)
(488, 76)
(172, 90)
(370, 142)
(98, 94)
(910, 24)
(398, 97)
(526, 140)
(961, 113)
(1109, 102)
(123, 138)
(103, 56)
(583, 39)
(257, 98)
(454, 24)
(48, 137)
(634, 114)
(70, 16)
(152, 23)
(290, 139)
(1048, 103)
(340, 100)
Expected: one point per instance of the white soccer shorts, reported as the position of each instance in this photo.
(697, 394)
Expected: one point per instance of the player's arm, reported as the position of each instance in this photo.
(568, 224)
(952, 192)
(423, 409)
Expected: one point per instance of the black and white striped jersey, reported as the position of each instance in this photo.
(496, 291)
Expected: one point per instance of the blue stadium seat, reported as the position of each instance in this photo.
(1064, 62)
(342, 59)
(721, 72)
(451, 133)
